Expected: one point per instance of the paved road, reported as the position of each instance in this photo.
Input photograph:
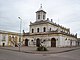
(33, 49)
(12, 55)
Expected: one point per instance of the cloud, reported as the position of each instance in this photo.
(64, 12)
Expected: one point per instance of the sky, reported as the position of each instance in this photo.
(63, 12)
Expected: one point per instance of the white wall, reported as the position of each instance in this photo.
(6, 39)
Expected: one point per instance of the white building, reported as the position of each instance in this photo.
(46, 32)
(78, 42)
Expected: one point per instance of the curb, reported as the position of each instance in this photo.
(42, 52)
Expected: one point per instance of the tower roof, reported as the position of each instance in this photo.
(41, 9)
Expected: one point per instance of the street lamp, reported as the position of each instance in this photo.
(20, 32)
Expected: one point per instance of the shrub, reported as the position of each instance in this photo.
(45, 49)
(41, 48)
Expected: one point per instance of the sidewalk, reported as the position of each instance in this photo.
(32, 50)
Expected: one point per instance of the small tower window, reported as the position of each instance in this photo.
(32, 30)
(37, 29)
(38, 16)
(43, 16)
(44, 29)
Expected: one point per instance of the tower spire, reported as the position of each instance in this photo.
(40, 7)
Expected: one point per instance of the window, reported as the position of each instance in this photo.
(43, 16)
(38, 16)
(44, 29)
(50, 29)
(32, 30)
(9, 38)
(19, 39)
(37, 29)
(4, 37)
(32, 40)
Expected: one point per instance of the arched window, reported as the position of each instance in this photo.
(50, 29)
(37, 29)
(38, 16)
(32, 40)
(44, 29)
(32, 30)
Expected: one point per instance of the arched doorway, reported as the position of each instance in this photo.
(3, 44)
(53, 42)
(38, 42)
(26, 42)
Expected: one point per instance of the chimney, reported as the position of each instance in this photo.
(76, 35)
(51, 20)
(47, 18)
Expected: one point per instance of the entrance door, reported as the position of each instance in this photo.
(26, 42)
(38, 42)
(3, 44)
(53, 42)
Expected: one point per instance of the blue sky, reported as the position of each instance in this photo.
(64, 12)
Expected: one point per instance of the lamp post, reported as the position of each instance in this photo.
(20, 32)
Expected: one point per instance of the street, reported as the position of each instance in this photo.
(13, 55)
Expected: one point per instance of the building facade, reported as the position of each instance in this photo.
(8, 38)
(78, 42)
(45, 32)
